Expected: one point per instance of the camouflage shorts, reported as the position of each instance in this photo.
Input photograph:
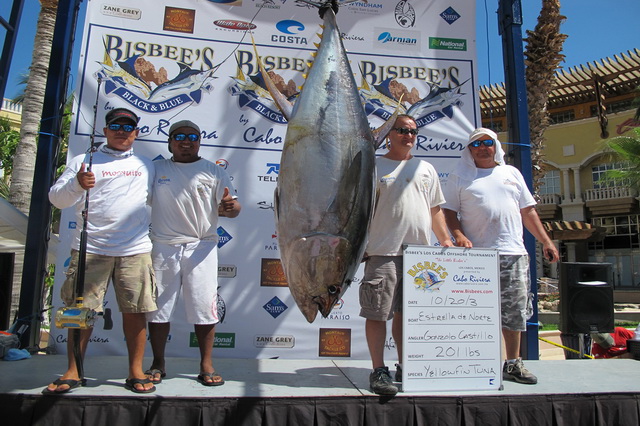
(381, 288)
(132, 276)
(514, 291)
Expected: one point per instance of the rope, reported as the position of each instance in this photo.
(564, 347)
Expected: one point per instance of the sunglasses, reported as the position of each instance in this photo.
(193, 137)
(488, 142)
(125, 127)
(404, 131)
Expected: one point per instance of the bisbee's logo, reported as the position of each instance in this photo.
(428, 276)
(128, 75)
(382, 99)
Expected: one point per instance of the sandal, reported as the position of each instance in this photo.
(130, 384)
(152, 375)
(69, 382)
(202, 378)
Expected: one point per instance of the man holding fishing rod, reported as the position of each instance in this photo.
(117, 242)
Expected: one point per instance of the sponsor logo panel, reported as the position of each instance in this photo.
(269, 341)
(223, 236)
(394, 39)
(222, 340)
(179, 20)
(227, 271)
(365, 8)
(275, 307)
(121, 12)
(272, 273)
(234, 25)
(405, 14)
(335, 342)
(450, 15)
(228, 2)
(447, 43)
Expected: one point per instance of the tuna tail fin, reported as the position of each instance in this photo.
(381, 132)
(281, 100)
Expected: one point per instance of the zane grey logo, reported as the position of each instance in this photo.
(450, 15)
(405, 14)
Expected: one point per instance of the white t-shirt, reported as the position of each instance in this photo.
(185, 201)
(489, 207)
(118, 219)
(407, 190)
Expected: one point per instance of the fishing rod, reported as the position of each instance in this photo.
(77, 317)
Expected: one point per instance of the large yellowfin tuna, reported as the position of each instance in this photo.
(325, 194)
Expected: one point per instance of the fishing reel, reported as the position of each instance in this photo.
(81, 318)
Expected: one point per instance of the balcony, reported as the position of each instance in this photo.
(548, 207)
(612, 200)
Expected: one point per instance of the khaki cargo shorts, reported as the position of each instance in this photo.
(133, 282)
(381, 288)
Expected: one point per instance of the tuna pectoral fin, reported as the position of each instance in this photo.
(346, 198)
(281, 100)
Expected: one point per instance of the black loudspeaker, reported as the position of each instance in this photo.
(586, 298)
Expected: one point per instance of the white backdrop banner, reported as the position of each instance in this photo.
(197, 62)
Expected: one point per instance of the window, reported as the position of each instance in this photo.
(562, 116)
(598, 175)
(550, 183)
(621, 232)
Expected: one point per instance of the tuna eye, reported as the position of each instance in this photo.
(333, 289)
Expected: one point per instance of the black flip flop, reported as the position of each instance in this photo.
(203, 376)
(152, 375)
(69, 382)
(129, 384)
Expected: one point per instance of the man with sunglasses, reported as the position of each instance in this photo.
(118, 244)
(407, 211)
(189, 194)
(487, 204)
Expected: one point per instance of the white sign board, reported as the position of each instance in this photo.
(451, 319)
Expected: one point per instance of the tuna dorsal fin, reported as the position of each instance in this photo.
(381, 132)
(281, 100)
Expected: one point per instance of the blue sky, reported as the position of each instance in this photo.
(596, 28)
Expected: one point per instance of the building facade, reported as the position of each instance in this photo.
(589, 104)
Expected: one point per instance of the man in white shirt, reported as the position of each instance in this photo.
(487, 204)
(189, 193)
(118, 244)
(407, 210)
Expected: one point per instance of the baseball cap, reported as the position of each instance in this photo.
(603, 339)
(183, 123)
(118, 113)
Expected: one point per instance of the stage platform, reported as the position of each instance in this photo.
(281, 392)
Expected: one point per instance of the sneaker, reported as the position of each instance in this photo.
(517, 372)
(380, 382)
(398, 373)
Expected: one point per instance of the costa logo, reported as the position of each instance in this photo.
(232, 24)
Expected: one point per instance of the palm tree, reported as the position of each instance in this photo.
(542, 58)
(626, 149)
(25, 157)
